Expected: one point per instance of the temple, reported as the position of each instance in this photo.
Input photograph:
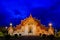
(30, 27)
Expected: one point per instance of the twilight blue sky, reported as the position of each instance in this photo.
(16, 10)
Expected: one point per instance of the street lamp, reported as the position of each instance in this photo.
(10, 24)
(6, 27)
(50, 24)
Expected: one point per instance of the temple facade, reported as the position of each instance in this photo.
(30, 27)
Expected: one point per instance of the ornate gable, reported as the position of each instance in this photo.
(30, 20)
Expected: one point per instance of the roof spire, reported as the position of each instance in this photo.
(30, 15)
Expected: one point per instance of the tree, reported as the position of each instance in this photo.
(1, 34)
(57, 34)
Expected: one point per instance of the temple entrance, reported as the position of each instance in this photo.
(30, 32)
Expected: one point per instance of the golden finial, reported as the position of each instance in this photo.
(30, 15)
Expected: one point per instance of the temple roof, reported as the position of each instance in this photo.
(30, 19)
